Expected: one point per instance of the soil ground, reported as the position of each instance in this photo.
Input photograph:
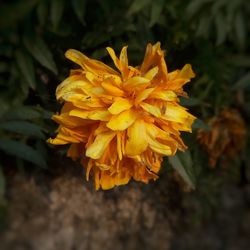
(57, 209)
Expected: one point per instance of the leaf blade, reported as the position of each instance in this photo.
(23, 151)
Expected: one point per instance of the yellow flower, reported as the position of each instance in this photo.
(121, 123)
(226, 138)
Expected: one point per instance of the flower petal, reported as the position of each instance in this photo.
(119, 105)
(165, 95)
(154, 110)
(151, 73)
(111, 89)
(114, 57)
(89, 64)
(136, 82)
(97, 148)
(102, 115)
(137, 139)
(69, 86)
(143, 95)
(186, 72)
(123, 120)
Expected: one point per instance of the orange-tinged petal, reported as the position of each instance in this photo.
(186, 72)
(69, 121)
(119, 105)
(111, 89)
(106, 181)
(73, 151)
(123, 120)
(119, 141)
(97, 148)
(66, 136)
(137, 139)
(88, 64)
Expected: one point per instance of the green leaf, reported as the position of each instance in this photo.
(3, 67)
(23, 151)
(56, 12)
(79, 7)
(13, 11)
(239, 60)
(138, 5)
(26, 67)
(189, 102)
(183, 164)
(156, 10)
(40, 51)
(195, 6)
(221, 27)
(240, 30)
(199, 124)
(42, 12)
(22, 113)
(23, 127)
(243, 82)
(2, 184)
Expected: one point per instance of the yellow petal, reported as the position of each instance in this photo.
(151, 73)
(154, 110)
(143, 95)
(64, 138)
(159, 148)
(57, 141)
(114, 57)
(69, 121)
(177, 113)
(147, 58)
(97, 148)
(119, 105)
(165, 95)
(111, 89)
(87, 63)
(73, 151)
(186, 72)
(136, 82)
(102, 115)
(106, 181)
(124, 57)
(124, 62)
(137, 139)
(119, 142)
(122, 120)
(70, 86)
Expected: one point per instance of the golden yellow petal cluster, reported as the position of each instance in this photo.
(120, 123)
(226, 138)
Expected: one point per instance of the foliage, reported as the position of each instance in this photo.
(212, 35)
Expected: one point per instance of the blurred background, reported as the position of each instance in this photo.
(200, 201)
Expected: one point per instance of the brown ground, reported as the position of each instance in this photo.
(58, 210)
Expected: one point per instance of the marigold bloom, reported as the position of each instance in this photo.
(226, 138)
(121, 123)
